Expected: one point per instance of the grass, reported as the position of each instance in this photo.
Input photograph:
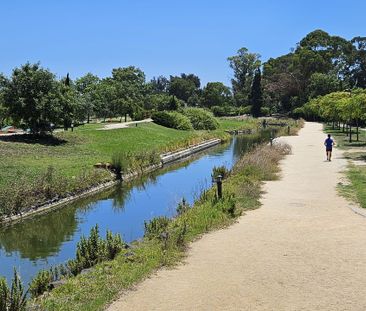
(355, 190)
(242, 189)
(236, 124)
(25, 160)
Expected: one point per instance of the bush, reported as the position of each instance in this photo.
(156, 227)
(265, 111)
(201, 119)
(13, 299)
(220, 170)
(226, 111)
(181, 122)
(182, 207)
(174, 120)
(40, 283)
(138, 115)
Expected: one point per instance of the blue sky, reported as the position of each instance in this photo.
(163, 37)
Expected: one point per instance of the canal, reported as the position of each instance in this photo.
(51, 239)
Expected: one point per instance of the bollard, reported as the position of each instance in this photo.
(219, 186)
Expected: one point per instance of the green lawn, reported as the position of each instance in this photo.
(73, 152)
(356, 175)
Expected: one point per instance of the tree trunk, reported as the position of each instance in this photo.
(125, 117)
(350, 133)
(357, 129)
(88, 120)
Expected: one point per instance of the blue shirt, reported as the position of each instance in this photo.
(329, 142)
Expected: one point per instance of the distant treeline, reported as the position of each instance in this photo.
(33, 98)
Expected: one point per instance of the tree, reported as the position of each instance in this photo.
(86, 86)
(32, 98)
(184, 87)
(159, 84)
(105, 95)
(215, 94)
(244, 65)
(358, 62)
(256, 97)
(129, 84)
(3, 110)
(321, 84)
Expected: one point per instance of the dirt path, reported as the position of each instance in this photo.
(304, 249)
(114, 126)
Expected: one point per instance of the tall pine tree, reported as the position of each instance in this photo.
(256, 96)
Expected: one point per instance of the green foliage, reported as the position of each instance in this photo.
(156, 227)
(182, 207)
(35, 99)
(229, 111)
(244, 65)
(4, 294)
(113, 245)
(13, 299)
(220, 171)
(174, 120)
(201, 119)
(216, 94)
(256, 97)
(40, 283)
(184, 87)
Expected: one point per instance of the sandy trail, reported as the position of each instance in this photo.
(304, 249)
(114, 126)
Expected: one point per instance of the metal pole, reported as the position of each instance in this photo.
(219, 186)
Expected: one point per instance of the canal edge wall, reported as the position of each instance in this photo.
(166, 158)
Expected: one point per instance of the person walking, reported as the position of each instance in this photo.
(329, 143)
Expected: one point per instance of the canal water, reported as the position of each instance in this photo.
(51, 239)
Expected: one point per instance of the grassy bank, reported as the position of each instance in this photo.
(39, 170)
(35, 170)
(165, 241)
(356, 174)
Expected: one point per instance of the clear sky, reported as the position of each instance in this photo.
(163, 37)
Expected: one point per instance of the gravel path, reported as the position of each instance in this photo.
(304, 249)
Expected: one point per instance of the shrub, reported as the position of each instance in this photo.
(220, 170)
(182, 207)
(13, 299)
(4, 294)
(174, 120)
(156, 227)
(201, 119)
(113, 245)
(163, 118)
(265, 111)
(40, 283)
(181, 122)
(225, 111)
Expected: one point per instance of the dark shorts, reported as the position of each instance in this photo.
(328, 149)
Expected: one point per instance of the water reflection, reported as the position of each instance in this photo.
(51, 238)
